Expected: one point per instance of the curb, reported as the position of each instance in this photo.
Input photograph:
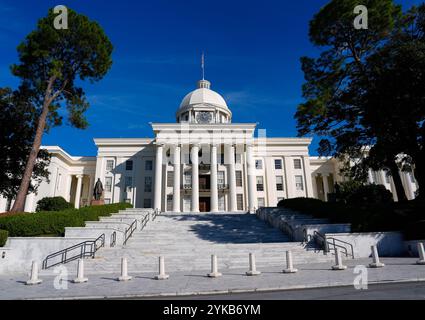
(229, 291)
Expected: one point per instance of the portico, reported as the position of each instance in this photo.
(205, 160)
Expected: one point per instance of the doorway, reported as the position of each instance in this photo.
(204, 204)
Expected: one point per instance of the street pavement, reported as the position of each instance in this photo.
(181, 284)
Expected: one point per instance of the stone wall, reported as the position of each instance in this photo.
(18, 253)
(390, 244)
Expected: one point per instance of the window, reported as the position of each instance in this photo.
(148, 165)
(188, 178)
(278, 164)
(169, 202)
(260, 184)
(279, 183)
(109, 165)
(299, 183)
(220, 178)
(221, 204)
(261, 203)
(170, 178)
(239, 202)
(147, 203)
(239, 178)
(108, 184)
(187, 204)
(128, 184)
(222, 158)
(297, 164)
(107, 201)
(129, 165)
(238, 158)
(148, 184)
(259, 164)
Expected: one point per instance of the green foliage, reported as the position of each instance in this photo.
(362, 217)
(415, 231)
(366, 87)
(42, 223)
(355, 193)
(82, 51)
(17, 130)
(53, 204)
(3, 237)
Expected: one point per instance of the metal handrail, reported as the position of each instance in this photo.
(113, 239)
(88, 249)
(144, 222)
(326, 244)
(129, 232)
(345, 243)
(155, 214)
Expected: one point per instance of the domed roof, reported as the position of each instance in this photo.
(203, 95)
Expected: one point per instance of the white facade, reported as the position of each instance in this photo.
(203, 162)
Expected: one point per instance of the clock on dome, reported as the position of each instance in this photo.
(204, 117)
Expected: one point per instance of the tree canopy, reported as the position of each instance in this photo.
(358, 91)
(52, 65)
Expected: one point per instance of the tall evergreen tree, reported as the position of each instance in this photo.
(333, 106)
(50, 63)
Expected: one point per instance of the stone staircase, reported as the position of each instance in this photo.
(187, 240)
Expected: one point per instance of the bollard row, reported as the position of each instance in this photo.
(376, 263)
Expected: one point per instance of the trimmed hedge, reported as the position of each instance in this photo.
(53, 204)
(54, 223)
(367, 217)
(3, 237)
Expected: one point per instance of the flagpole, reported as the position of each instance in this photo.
(203, 66)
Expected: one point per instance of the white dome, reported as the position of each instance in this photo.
(203, 95)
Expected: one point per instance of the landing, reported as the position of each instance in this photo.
(217, 228)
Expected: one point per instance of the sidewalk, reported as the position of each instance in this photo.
(196, 283)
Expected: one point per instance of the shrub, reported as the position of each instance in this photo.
(415, 231)
(53, 204)
(355, 193)
(54, 223)
(3, 237)
(370, 194)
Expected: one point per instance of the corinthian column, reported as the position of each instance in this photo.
(195, 178)
(213, 180)
(158, 177)
(176, 187)
(252, 200)
(78, 191)
(232, 178)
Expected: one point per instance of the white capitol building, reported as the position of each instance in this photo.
(202, 163)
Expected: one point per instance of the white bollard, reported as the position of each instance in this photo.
(34, 275)
(289, 264)
(214, 268)
(376, 263)
(421, 260)
(124, 271)
(80, 273)
(162, 275)
(252, 266)
(338, 260)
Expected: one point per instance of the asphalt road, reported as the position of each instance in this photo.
(394, 291)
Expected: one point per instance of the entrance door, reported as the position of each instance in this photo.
(204, 182)
(204, 204)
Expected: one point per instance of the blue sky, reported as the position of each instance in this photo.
(252, 58)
